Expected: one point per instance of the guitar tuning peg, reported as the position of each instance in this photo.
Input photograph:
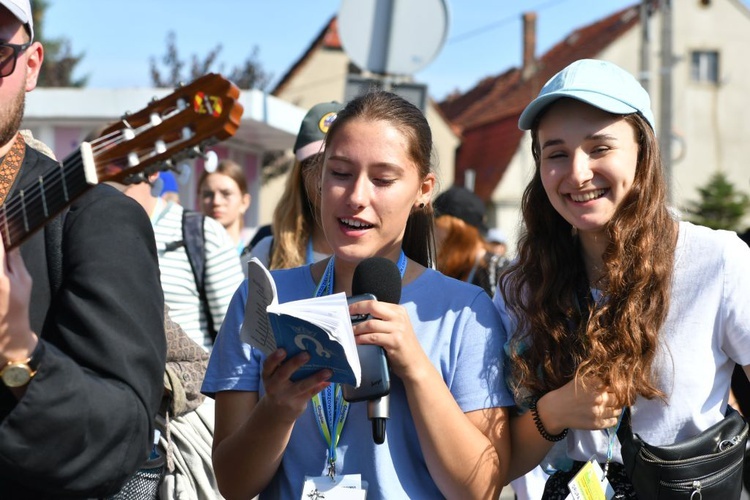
(211, 161)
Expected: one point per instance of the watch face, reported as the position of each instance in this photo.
(16, 375)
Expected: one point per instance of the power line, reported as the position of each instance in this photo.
(478, 31)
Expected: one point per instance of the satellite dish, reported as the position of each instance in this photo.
(393, 36)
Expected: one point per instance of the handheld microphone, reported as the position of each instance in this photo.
(376, 277)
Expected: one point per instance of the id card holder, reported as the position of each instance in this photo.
(340, 487)
(590, 483)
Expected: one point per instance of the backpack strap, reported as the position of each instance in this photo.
(194, 238)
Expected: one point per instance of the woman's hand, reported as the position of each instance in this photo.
(390, 328)
(289, 399)
(579, 404)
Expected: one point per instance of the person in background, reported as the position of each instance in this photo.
(446, 435)
(613, 302)
(223, 195)
(170, 191)
(461, 249)
(81, 367)
(297, 236)
(222, 270)
(497, 242)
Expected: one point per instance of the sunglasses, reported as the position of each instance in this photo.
(8, 56)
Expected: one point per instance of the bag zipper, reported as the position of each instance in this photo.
(695, 486)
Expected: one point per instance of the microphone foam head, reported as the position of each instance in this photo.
(380, 277)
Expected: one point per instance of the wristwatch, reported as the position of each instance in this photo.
(20, 373)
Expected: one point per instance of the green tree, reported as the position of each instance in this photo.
(59, 60)
(721, 206)
(168, 70)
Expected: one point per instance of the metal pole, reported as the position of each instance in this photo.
(645, 76)
(665, 109)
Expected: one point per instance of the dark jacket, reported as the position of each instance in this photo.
(86, 421)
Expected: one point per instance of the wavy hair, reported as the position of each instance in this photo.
(617, 340)
(419, 240)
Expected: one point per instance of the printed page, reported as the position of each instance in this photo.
(261, 292)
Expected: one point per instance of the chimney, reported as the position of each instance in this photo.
(529, 44)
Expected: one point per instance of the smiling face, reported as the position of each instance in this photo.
(370, 185)
(588, 161)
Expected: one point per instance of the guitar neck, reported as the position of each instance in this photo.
(167, 131)
(32, 206)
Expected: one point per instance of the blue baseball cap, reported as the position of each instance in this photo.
(601, 84)
(169, 183)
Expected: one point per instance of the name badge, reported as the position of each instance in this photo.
(590, 484)
(340, 487)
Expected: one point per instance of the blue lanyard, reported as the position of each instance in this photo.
(611, 436)
(332, 409)
(310, 253)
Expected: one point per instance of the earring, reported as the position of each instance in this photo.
(421, 205)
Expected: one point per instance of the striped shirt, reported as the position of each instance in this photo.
(223, 272)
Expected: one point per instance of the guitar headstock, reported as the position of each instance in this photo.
(169, 129)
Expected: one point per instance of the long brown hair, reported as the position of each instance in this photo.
(419, 240)
(294, 218)
(617, 342)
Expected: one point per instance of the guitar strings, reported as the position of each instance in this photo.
(67, 171)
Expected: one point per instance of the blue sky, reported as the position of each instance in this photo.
(118, 37)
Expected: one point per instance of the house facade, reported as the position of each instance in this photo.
(320, 75)
(710, 80)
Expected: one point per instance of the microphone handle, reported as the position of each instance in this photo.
(378, 430)
(378, 413)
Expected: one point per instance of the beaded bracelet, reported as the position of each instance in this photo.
(546, 435)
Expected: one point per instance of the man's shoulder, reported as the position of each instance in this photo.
(36, 164)
(104, 193)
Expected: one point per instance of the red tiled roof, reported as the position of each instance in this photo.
(488, 114)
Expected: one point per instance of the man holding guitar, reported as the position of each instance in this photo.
(81, 365)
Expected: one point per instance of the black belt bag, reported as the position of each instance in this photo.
(706, 466)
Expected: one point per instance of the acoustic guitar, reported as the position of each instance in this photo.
(158, 137)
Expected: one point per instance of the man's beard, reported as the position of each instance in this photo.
(11, 117)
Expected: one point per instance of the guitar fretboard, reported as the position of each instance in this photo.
(31, 206)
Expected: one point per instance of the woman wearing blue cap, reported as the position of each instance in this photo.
(612, 301)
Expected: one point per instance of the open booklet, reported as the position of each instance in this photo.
(320, 325)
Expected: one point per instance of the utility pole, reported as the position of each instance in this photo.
(665, 94)
(645, 74)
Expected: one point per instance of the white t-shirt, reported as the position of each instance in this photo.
(707, 331)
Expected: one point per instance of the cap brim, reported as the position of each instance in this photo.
(601, 101)
(308, 150)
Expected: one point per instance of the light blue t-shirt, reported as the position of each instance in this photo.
(459, 330)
